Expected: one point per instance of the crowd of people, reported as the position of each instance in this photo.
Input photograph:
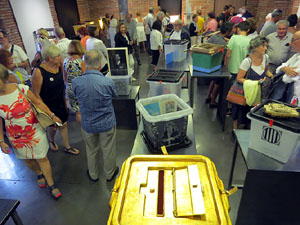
(73, 72)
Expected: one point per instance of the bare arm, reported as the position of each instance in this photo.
(268, 73)
(37, 81)
(36, 58)
(227, 57)
(241, 76)
(83, 67)
(3, 145)
(22, 64)
(290, 71)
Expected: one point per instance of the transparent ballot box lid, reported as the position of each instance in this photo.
(166, 76)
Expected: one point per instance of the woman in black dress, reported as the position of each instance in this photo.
(122, 39)
(48, 85)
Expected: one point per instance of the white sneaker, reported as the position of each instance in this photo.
(133, 79)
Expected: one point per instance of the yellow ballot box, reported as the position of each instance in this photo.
(169, 189)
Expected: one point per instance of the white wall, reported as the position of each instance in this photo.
(31, 15)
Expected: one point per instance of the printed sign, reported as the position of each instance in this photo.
(271, 135)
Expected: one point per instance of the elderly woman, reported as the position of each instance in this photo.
(7, 61)
(48, 85)
(26, 136)
(122, 39)
(74, 66)
(84, 35)
(255, 67)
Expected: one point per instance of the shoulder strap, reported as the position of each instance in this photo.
(24, 95)
(247, 73)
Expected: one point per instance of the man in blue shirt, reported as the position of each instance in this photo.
(94, 93)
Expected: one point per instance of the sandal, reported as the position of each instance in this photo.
(53, 146)
(41, 181)
(56, 194)
(72, 151)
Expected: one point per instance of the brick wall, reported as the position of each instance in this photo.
(9, 23)
(293, 7)
(252, 6)
(267, 6)
(141, 6)
(83, 10)
(98, 8)
(53, 12)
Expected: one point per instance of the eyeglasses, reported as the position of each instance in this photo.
(293, 40)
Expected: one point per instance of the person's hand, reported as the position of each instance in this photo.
(5, 147)
(56, 119)
(290, 71)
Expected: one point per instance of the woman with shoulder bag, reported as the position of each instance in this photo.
(253, 68)
(48, 85)
(26, 135)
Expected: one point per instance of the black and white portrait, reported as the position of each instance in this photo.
(118, 61)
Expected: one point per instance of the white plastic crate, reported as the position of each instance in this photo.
(123, 84)
(161, 88)
(275, 141)
(175, 52)
(165, 119)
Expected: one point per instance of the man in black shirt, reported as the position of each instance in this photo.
(223, 16)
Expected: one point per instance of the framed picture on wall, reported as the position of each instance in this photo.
(118, 62)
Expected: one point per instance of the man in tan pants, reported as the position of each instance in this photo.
(94, 93)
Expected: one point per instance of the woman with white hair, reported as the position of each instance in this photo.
(48, 85)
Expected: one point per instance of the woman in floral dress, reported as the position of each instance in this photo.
(26, 136)
(74, 66)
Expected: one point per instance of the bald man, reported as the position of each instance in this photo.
(290, 92)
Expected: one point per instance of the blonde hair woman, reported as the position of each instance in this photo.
(48, 85)
(74, 66)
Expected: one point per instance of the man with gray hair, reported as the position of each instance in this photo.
(278, 46)
(94, 93)
(270, 26)
(149, 20)
(179, 33)
(63, 42)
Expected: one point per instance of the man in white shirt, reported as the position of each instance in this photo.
(179, 33)
(291, 70)
(63, 42)
(19, 57)
(149, 20)
(278, 46)
(94, 43)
